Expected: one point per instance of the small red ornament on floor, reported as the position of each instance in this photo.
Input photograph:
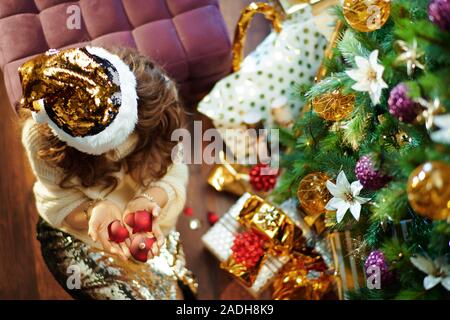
(212, 217)
(263, 177)
(140, 246)
(140, 221)
(188, 211)
(117, 232)
(248, 248)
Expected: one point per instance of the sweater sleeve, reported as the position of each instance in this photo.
(174, 183)
(53, 203)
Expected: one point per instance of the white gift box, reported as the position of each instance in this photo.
(219, 240)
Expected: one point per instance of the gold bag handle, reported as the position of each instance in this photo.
(269, 11)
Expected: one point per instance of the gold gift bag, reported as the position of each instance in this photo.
(262, 84)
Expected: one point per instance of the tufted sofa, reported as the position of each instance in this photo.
(188, 38)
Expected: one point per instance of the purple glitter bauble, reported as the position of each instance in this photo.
(370, 177)
(439, 13)
(401, 106)
(376, 258)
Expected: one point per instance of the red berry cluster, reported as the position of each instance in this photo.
(248, 248)
(263, 181)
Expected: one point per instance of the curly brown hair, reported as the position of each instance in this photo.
(159, 114)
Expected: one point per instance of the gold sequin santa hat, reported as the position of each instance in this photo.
(86, 95)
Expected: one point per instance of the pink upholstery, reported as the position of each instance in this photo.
(188, 38)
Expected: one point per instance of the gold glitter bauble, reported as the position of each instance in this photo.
(313, 193)
(429, 190)
(334, 106)
(367, 15)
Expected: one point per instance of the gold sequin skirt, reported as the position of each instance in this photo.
(88, 273)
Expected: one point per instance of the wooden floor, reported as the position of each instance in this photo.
(23, 274)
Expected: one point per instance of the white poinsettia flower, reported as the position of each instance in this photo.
(345, 196)
(438, 271)
(368, 76)
(443, 134)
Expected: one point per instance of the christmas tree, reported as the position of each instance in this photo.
(372, 151)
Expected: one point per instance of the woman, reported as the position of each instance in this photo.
(98, 138)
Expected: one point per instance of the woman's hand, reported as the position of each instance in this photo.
(139, 204)
(102, 214)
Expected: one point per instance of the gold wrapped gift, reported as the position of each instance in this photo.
(245, 275)
(302, 279)
(219, 240)
(230, 178)
(348, 263)
(283, 236)
(271, 222)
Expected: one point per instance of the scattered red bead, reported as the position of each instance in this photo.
(212, 217)
(188, 211)
(263, 177)
(248, 248)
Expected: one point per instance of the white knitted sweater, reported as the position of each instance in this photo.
(55, 203)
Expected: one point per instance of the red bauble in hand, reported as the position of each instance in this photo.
(140, 246)
(248, 248)
(129, 219)
(263, 177)
(117, 232)
(140, 221)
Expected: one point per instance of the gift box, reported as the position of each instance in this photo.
(289, 241)
(241, 216)
(303, 278)
(349, 270)
(237, 178)
(231, 178)
(349, 252)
